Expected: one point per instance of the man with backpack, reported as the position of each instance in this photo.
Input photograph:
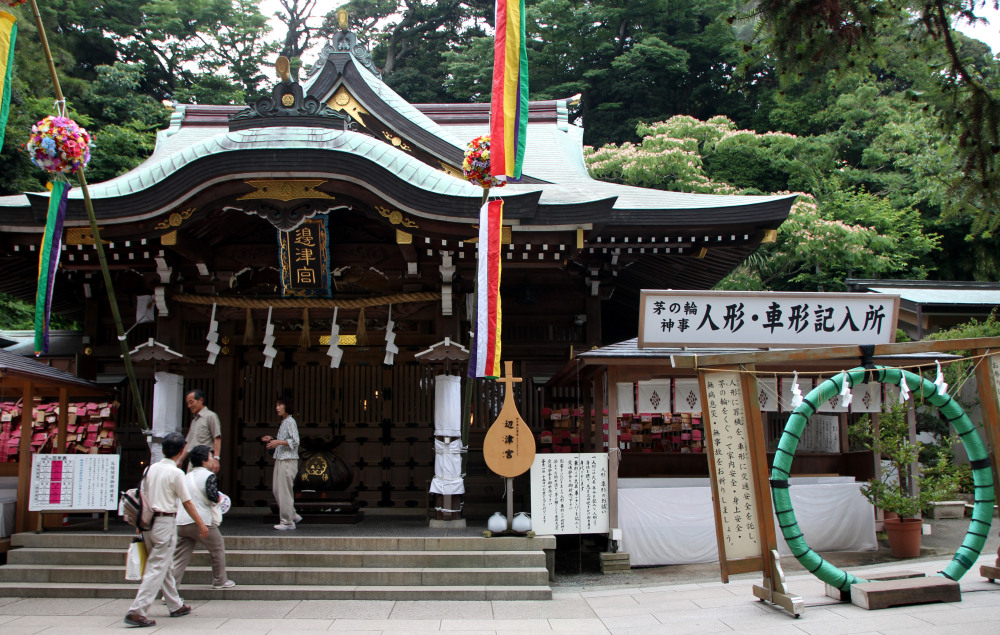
(165, 488)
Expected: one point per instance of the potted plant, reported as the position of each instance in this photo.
(891, 492)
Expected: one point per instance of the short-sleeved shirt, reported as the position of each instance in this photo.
(165, 487)
(205, 427)
(288, 431)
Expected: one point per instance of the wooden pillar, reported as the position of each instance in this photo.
(63, 421)
(614, 455)
(24, 458)
(586, 400)
(224, 405)
(990, 401)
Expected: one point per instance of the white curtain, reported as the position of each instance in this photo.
(626, 398)
(687, 395)
(654, 396)
(767, 393)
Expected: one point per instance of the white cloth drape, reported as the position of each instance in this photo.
(687, 395)
(662, 524)
(654, 396)
(447, 423)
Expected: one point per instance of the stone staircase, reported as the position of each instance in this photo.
(295, 568)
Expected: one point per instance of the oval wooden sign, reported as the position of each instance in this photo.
(509, 446)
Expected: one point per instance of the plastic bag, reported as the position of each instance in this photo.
(135, 560)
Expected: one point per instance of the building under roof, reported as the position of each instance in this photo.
(929, 306)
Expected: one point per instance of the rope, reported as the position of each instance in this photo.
(309, 303)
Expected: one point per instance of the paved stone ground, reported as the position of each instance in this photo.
(662, 600)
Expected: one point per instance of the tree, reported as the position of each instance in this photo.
(962, 79)
(832, 232)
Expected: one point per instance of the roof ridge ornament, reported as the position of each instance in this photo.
(287, 100)
(344, 41)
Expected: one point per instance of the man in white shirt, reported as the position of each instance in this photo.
(165, 488)
(204, 490)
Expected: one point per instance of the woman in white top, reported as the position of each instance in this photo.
(286, 464)
(204, 490)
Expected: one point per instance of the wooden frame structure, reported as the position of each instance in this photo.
(27, 379)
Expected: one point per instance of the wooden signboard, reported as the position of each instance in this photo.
(741, 495)
(509, 446)
(765, 319)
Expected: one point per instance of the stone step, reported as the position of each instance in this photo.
(266, 592)
(285, 542)
(278, 559)
(304, 576)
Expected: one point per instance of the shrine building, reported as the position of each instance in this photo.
(207, 228)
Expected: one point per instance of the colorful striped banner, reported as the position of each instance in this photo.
(48, 262)
(509, 105)
(484, 360)
(8, 34)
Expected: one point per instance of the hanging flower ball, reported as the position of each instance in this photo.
(476, 166)
(13, 3)
(58, 144)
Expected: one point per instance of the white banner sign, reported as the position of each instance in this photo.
(765, 319)
(569, 494)
(73, 481)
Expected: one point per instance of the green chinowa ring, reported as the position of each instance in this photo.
(982, 512)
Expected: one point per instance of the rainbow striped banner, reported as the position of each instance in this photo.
(8, 34)
(509, 105)
(484, 360)
(48, 262)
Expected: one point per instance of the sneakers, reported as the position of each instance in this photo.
(284, 527)
(228, 584)
(298, 519)
(183, 610)
(135, 619)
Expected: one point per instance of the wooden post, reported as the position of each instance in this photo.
(991, 423)
(24, 458)
(614, 454)
(63, 421)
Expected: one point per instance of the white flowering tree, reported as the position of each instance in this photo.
(837, 234)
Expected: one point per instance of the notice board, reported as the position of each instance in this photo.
(569, 494)
(73, 481)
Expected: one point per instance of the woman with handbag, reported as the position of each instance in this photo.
(286, 463)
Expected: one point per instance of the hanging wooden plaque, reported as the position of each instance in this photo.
(509, 446)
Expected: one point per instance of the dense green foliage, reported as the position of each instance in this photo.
(876, 112)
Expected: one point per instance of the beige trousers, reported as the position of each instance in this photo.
(160, 542)
(281, 485)
(187, 538)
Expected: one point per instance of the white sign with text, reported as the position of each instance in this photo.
(768, 319)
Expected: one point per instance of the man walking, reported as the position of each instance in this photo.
(204, 490)
(165, 489)
(205, 426)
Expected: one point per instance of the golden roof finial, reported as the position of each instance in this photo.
(284, 69)
(342, 19)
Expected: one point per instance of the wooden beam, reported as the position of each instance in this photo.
(190, 249)
(830, 352)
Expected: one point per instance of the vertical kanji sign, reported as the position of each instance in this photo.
(305, 259)
(737, 453)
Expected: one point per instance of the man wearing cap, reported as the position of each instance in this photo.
(165, 489)
(204, 490)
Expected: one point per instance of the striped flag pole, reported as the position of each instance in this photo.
(48, 262)
(485, 355)
(509, 104)
(8, 34)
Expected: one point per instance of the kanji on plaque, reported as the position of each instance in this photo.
(509, 446)
(305, 259)
(729, 444)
